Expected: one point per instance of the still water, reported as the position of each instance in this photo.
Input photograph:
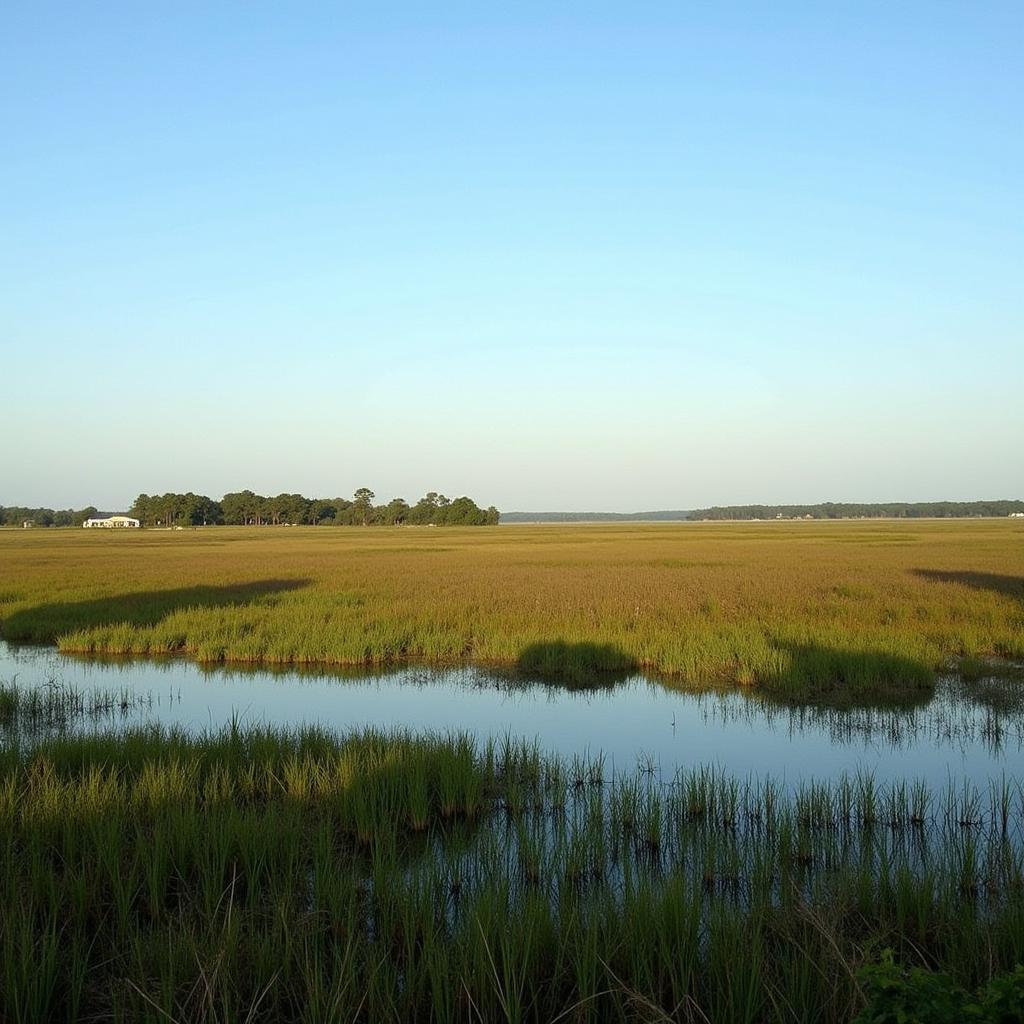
(966, 732)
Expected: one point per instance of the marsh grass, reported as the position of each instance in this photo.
(265, 875)
(844, 611)
(56, 706)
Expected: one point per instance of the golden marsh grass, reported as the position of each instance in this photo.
(797, 608)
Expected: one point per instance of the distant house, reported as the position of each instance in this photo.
(112, 522)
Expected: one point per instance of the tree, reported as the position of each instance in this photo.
(362, 505)
(86, 513)
(442, 511)
(464, 512)
(142, 509)
(320, 509)
(342, 511)
(424, 510)
(396, 511)
(241, 507)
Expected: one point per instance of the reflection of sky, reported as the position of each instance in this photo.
(639, 717)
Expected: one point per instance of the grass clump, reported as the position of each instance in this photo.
(57, 706)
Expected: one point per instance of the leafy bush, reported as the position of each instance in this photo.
(898, 995)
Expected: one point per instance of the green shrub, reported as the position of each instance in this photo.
(899, 995)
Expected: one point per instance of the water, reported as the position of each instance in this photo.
(636, 721)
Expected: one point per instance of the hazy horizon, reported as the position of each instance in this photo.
(520, 510)
(631, 259)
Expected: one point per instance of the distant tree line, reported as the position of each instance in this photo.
(18, 515)
(872, 510)
(823, 510)
(246, 508)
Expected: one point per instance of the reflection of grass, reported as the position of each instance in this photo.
(271, 876)
(950, 719)
(702, 603)
(1003, 694)
(575, 663)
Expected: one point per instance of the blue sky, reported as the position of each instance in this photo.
(616, 256)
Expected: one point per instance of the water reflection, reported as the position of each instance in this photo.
(971, 730)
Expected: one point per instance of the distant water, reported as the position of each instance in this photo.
(636, 721)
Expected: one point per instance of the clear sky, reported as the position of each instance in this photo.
(555, 256)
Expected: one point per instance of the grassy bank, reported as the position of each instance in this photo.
(801, 609)
(266, 876)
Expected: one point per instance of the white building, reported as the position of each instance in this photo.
(112, 522)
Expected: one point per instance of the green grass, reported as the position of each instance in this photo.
(263, 875)
(846, 610)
